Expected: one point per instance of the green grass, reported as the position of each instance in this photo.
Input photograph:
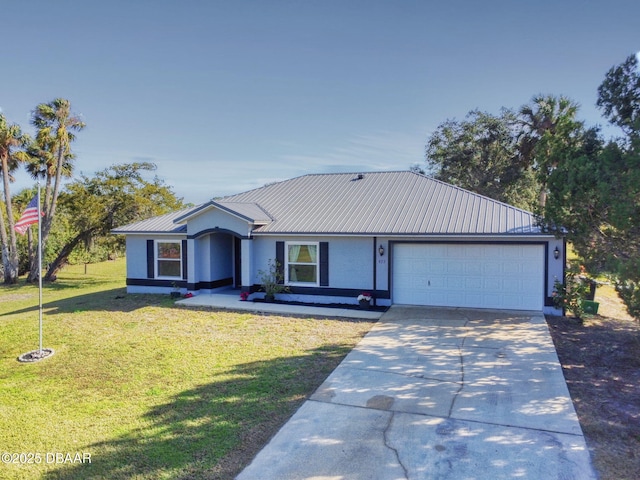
(149, 390)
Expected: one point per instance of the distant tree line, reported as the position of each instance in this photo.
(76, 217)
(542, 158)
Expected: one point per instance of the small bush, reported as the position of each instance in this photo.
(570, 294)
(628, 287)
(272, 280)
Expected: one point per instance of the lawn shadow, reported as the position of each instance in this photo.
(113, 300)
(214, 430)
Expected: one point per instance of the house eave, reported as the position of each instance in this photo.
(149, 232)
(403, 235)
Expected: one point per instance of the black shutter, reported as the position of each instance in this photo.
(185, 268)
(150, 260)
(280, 260)
(324, 264)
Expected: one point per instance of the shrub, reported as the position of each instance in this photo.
(570, 294)
(272, 280)
(628, 287)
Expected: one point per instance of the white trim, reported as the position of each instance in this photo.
(286, 264)
(498, 237)
(152, 233)
(156, 259)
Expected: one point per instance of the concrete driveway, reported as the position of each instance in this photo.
(437, 394)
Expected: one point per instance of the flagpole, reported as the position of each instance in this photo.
(26, 220)
(40, 269)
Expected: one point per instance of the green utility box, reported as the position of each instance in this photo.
(590, 307)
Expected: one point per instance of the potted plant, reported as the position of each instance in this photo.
(364, 299)
(272, 280)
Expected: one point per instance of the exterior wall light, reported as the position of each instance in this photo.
(556, 253)
(381, 250)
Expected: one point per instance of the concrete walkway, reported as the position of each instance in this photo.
(437, 394)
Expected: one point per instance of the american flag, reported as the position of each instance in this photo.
(29, 217)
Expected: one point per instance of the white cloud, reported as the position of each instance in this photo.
(383, 150)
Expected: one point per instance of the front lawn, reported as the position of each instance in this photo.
(145, 389)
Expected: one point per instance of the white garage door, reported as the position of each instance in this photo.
(469, 275)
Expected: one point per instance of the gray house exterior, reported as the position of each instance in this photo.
(401, 236)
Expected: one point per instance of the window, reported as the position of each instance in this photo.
(169, 259)
(301, 264)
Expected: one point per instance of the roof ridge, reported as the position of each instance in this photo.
(266, 212)
(277, 182)
(378, 172)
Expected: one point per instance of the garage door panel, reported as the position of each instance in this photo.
(473, 268)
(403, 282)
(491, 269)
(474, 283)
(454, 282)
(482, 276)
(455, 266)
(436, 266)
(513, 252)
(512, 268)
(403, 264)
(420, 282)
(529, 285)
(473, 252)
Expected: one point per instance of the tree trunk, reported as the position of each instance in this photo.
(49, 212)
(542, 199)
(9, 248)
(63, 256)
(4, 245)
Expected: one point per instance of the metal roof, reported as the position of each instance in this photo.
(398, 203)
(161, 224)
(374, 203)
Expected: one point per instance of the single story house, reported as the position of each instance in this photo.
(403, 237)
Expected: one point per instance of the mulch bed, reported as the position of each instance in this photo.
(35, 355)
(348, 306)
(601, 363)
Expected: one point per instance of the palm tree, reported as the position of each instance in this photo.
(12, 143)
(548, 129)
(55, 125)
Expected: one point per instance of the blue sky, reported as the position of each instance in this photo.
(224, 96)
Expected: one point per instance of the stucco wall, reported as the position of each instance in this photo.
(350, 259)
(203, 258)
(137, 253)
(556, 270)
(136, 256)
(215, 218)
